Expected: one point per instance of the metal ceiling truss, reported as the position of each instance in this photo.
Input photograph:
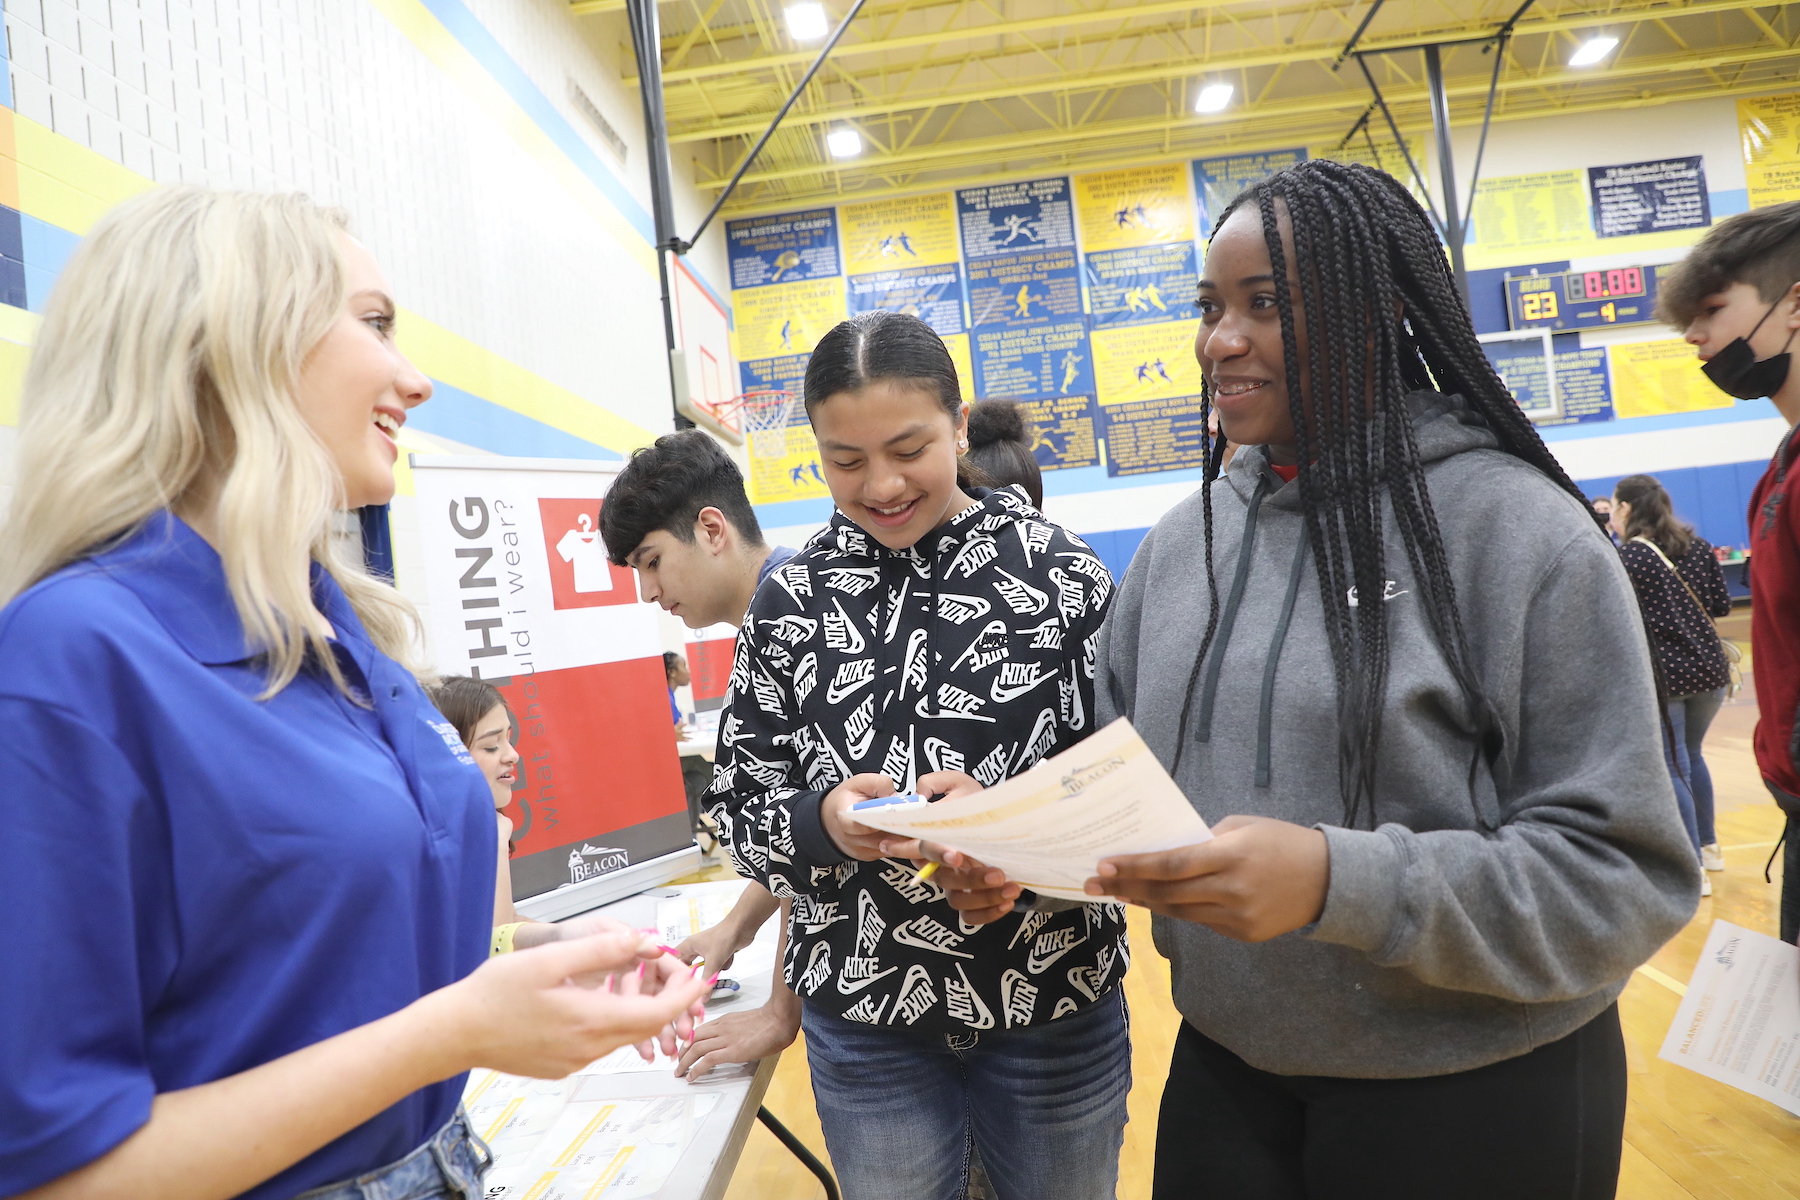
(948, 93)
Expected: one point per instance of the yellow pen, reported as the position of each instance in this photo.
(927, 871)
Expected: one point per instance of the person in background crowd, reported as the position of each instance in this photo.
(1440, 848)
(675, 673)
(1602, 506)
(1680, 589)
(483, 722)
(678, 515)
(1000, 446)
(1736, 298)
(696, 772)
(937, 637)
(248, 870)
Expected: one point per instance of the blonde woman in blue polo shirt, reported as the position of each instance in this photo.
(248, 871)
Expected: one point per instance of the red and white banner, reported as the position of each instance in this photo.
(709, 653)
(520, 594)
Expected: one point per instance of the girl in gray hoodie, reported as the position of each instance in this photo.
(1394, 661)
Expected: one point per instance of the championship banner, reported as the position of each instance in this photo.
(1769, 132)
(1146, 362)
(1217, 181)
(932, 294)
(1004, 218)
(1525, 212)
(1016, 290)
(1045, 359)
(1652, 379)
(1065, 431)
(786, 318)
(1142, 286)
(1138, 206)
(521, 595)
(917, 231)
(785, 248)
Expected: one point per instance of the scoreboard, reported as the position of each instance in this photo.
(1582, 299)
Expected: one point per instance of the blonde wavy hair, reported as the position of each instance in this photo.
(164, 375)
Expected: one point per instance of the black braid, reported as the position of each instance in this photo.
(1214, 452)
(1383, 318)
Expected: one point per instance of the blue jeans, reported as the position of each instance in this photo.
(1046, 1104)
(451, 1164)
(1689, 718)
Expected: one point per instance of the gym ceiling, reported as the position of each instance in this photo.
(947, 93)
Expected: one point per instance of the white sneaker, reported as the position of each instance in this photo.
(1711, 857)
(1705, 885)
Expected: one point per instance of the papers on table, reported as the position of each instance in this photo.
(1739, 1022)
(703, 906)
(550, 1143)
(1048, 828)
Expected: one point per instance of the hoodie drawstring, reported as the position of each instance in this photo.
(1266, 713)
(1241, 579)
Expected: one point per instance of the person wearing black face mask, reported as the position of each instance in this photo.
(1736, 297)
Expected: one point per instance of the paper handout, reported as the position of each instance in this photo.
(1739, 1022)
(1049, 828)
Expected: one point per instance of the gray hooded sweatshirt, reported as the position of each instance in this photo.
(1479, 920)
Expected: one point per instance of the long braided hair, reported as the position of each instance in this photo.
(1383, 318)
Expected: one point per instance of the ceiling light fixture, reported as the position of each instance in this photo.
(806, 22)
(1593, 50)
(1213, 98)
(844, 143)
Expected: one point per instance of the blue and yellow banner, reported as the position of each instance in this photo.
(1139, 206)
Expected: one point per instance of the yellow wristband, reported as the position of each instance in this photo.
(503, 938)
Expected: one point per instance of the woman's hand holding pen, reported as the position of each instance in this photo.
(1257, 879)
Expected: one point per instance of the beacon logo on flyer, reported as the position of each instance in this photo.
(580, 576)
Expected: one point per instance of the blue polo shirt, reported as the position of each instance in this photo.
(196, 881)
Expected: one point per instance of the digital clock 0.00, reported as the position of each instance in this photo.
(1614, 284)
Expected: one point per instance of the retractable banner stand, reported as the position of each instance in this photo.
(521, 595)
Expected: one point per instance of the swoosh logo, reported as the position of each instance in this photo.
(1037, 966)
(836, 694)
(850, 989)
(1002, 695)
(904, 935)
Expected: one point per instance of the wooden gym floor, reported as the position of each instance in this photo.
(1686, 1137)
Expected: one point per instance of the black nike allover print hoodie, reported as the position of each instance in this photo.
(973, 651)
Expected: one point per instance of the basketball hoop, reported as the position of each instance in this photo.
(765, 416)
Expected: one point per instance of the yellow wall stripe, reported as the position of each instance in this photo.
(463, 364)
(65, 184)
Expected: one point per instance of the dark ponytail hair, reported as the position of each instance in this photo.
(1653, 514)
(875, 346)
(1000, 444)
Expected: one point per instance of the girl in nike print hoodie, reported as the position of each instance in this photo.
(931, 627)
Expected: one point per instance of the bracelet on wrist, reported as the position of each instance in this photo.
(503, 938)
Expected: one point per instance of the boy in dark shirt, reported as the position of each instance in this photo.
(1736, 297)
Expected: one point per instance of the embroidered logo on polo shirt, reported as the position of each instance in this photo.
(452, 739)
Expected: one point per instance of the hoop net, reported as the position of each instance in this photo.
(765, 415)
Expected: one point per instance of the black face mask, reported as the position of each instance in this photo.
(1735, 371)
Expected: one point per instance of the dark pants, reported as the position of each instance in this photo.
(1545, 1124)
(696, 777)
